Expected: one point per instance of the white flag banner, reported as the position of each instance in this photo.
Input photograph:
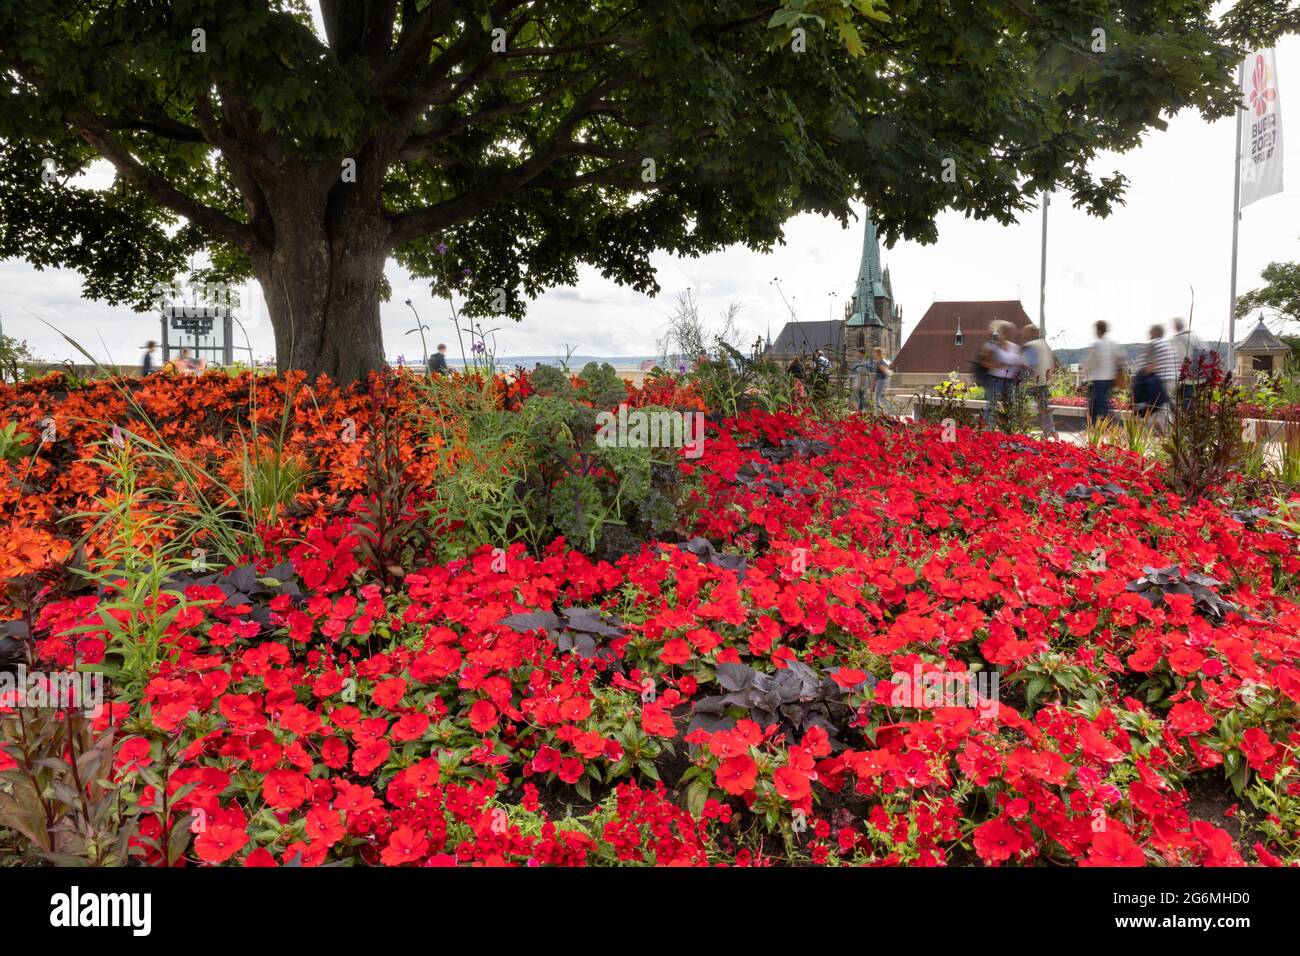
(1261, 129)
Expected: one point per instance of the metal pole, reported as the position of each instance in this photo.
(1236, 219)
(1042, 274)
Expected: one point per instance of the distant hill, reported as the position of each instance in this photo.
(528, 361)
(1068, 357)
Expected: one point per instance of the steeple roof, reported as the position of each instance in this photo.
(1264, 341)
(871, 277)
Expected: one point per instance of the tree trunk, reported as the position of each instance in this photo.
(322, 283)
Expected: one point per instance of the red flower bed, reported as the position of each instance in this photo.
(815, 682)
(1283, 413)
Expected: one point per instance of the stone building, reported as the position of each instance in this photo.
(949, 336)
(871, 317)
(1261, 354)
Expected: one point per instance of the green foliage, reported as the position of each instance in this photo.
(773, 386)
(1289, 463)
(1138, 434)
(1015, 412)
(1276, 803)
(14, 355)
(1280, 293)
(13, 442)
(65, 808)
(1063, 384)
(389, 536)
(1274, 392)
(1205, 443)
(537, 471)
(946, 404)
(535, 162)
(550, 380)
(139, 603)
(724, 379)
(600, 386)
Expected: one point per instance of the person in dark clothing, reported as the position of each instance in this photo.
(1149, 395)
(796, 369)
(146, 366)
(438, 364)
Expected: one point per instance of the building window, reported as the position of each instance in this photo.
(1262, 363)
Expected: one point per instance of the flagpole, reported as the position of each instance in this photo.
(1042, 273)
(1236, 220)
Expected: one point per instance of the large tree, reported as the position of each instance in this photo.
(1279, 296)
(517, 140)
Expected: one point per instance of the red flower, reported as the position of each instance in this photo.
(284, 789)
(370, 755)
(1257, 747)
(675, 651)
(133, 754)
(570, 770)
(1189, 718)
(998, 841)
(334, 752)
(410, 727)
(222, 837)
(738, 774)
(656, 721)
(324, 824)
(792, 784)
(1113, 847)
(389, 693)
(482, 716)
(405, 845)
(1287, 680)
(848, 677)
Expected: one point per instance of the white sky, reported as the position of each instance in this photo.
(1132, 269)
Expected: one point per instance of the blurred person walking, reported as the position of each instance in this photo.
(1153, 387)
(438, 363)
(1101, 368)
(881, 372)
(147, 363)
(1004, 365)
(1040, 363)
(1162, 357)
(861, 374)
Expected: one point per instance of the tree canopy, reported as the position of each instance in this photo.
(497, 145)
(1280, 294)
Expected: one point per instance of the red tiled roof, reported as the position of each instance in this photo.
(931, 346)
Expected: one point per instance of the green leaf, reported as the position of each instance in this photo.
(697, 794)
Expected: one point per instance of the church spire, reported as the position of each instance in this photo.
(870, 284)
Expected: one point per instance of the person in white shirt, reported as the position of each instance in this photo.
(1004, 369)
(880, 372)
(1187, 354)
(1040, 364)
(1101, 368)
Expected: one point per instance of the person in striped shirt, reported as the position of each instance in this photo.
(1162, 359)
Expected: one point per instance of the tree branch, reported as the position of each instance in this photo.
(161, 191)
(159, 126)
(417, 222)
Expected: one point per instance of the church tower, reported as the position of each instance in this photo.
(870, 317)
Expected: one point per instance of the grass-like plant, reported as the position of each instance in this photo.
(227, 520)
